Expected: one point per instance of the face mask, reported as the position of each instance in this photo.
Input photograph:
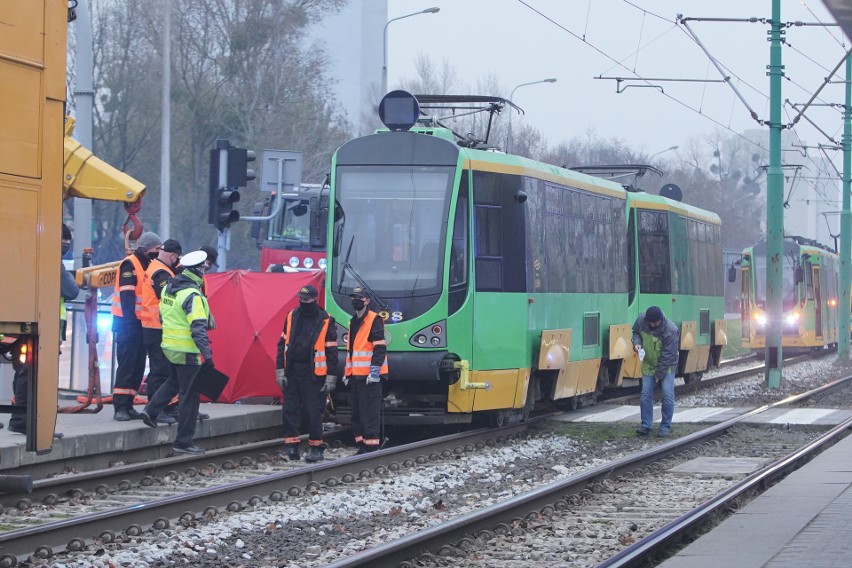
(65, 248)
(358, 304)
(309, 308)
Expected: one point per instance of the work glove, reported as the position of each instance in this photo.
(374, 375)
(281, 378)
(345, 381)
(330, 384)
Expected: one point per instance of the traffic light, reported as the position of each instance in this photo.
(239, 174)
(221, 212)
(228, 171)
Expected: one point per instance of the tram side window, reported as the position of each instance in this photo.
(500, 240)
(555, 239)
(683, 253)
(653, 248)
(537, 270)
(458, 247)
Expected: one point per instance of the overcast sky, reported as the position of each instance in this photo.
(523, 41)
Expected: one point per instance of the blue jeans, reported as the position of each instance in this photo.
(646, 401)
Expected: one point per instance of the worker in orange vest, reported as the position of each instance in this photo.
(157, 275)
(366, 365)
(127, 325)
(306, 371)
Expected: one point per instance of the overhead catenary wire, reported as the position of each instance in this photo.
(619, 64)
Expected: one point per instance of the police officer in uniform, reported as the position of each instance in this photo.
(366, 364)
(127, 325)
(305, 373)
(186, 319)
(158, 273)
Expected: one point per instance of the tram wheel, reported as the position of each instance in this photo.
(690, 378)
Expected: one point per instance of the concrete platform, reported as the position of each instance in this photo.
(802, 521)
(99, 434)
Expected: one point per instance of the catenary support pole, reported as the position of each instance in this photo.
(774, 206)
(846, 225)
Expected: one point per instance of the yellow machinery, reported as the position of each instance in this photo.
(32, 169)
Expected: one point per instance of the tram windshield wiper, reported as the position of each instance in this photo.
(346, 266)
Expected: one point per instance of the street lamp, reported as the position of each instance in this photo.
(663, 152)
(512, 97)
(432, 10)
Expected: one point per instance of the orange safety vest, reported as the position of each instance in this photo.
(359, 357)
(116, 296)
(150, 302)
(320, 360)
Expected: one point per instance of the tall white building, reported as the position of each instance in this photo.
(354, 44)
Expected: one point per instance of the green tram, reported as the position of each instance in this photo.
(810, 296)
(504, 281)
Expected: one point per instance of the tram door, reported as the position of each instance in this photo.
(817, 302)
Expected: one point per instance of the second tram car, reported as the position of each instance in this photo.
(504, 281)
(810, 286)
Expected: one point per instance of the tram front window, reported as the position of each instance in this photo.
(395, 222)
(293, 225)
(788, 284)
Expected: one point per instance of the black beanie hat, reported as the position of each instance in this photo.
(66, 232)
(653, 314)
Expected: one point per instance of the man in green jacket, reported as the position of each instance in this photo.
(186, 319)
(657, 341)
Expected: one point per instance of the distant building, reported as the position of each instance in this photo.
(354, 43)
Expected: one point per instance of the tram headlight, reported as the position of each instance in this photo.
(294, 261)
(792, 318)
(760, 319)
(420, 339)
(322, 263)
(308, 262)
(436, 341)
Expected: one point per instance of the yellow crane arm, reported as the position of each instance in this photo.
(95, 277)
(89, 177)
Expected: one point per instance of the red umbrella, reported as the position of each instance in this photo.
(249, 309)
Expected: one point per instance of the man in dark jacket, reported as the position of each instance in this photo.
(656, 340)
(127, 325)
(306, 371)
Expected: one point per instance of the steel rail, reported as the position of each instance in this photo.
(433, 539)
(72, 533)
(638, 553)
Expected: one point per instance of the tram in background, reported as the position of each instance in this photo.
(504, 281)
(296, 237)
(810, 299)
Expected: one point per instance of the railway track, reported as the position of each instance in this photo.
(149, 510)
(610, 497)
(632, 396)
(189, 491)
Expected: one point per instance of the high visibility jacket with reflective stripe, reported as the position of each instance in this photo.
(360, 355)
(177, 333)
(320, 359)
(150, 302)
(116, 296)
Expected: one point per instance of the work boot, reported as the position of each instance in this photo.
(166, 418)
(315, 454)
(642, 431)
(148, 419)
(203, 416)
(121, 416)
(292, 453)
(133, 414)
(191, 450)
